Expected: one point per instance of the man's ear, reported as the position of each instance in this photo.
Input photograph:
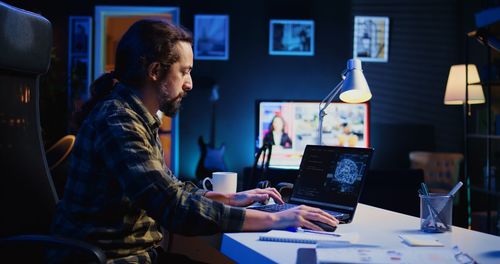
(154, 71)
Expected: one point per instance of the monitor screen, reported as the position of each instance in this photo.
(291, 125)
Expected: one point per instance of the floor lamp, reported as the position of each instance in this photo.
(456, 94)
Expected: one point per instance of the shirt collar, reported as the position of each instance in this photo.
(132, 97)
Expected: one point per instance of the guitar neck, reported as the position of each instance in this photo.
(212, 127)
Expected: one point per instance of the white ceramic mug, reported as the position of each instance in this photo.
(223, 182)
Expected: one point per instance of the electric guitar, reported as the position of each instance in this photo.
(212, 158)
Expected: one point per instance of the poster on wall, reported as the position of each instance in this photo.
(371, 38)
(211, 37)
(79, 61)
(291, 37)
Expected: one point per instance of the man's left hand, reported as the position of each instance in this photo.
(246, 198)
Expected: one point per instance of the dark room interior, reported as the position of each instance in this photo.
(417, 134)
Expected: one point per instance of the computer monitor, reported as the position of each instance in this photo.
(291, 125)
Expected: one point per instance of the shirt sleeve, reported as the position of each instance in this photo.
(188, 186)
(123, 143)
(192, 188)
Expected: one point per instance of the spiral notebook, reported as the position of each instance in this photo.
(308, 238)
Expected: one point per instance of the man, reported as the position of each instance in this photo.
(119, 190)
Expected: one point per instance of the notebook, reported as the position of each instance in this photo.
(306, 237)
(421, 241)
(330, 178)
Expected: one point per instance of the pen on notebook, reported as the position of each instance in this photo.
(299, 229)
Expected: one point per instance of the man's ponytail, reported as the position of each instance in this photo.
(99, 89)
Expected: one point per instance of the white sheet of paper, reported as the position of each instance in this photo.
(353, 254)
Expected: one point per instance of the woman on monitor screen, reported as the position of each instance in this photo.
(276, 133)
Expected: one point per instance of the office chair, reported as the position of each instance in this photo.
(58, 152)
(27, 197)
(441, 169)
(57, 159)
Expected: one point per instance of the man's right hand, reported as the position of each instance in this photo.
(301, 216)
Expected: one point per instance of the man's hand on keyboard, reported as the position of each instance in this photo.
(246, 198)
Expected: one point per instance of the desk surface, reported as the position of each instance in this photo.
(375, 226)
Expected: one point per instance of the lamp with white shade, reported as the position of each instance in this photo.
(455, 87)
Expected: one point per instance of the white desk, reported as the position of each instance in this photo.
(375, 226)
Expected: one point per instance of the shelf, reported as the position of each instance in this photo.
(487, 34)
(483, 190)
(483, 136)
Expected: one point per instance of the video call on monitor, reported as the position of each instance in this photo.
(291, 125)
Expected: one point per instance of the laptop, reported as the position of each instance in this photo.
(330, 178)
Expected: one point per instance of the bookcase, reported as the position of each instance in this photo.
(482, 127)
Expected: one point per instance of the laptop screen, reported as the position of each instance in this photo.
(331, 177)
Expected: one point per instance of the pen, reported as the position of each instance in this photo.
(299, 229)
(424, 188)
(455, 189)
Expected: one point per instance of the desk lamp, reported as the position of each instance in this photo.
(353, 88)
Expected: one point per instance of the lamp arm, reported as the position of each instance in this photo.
(322, 107)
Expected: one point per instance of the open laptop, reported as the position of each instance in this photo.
(330, 178)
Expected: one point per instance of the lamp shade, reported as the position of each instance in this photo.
(354, 89)
(455, 87)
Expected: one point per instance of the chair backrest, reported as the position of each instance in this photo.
(441, 169)
(27, 197)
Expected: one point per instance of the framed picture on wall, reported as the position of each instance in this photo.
(211, 37)
(291, 37)
(111, 22)
(79, 80)
(80, 34)
(371, 38)
(79, 61)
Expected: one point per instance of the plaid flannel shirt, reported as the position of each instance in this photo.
(119, 188)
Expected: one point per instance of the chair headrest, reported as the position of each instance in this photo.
(25, 40)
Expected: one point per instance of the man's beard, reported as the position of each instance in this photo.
(170, 107)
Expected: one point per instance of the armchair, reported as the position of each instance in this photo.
(27, 196)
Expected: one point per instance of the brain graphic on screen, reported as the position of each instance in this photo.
(347, 171)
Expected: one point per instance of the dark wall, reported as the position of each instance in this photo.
(407, 110)
(252, 74)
